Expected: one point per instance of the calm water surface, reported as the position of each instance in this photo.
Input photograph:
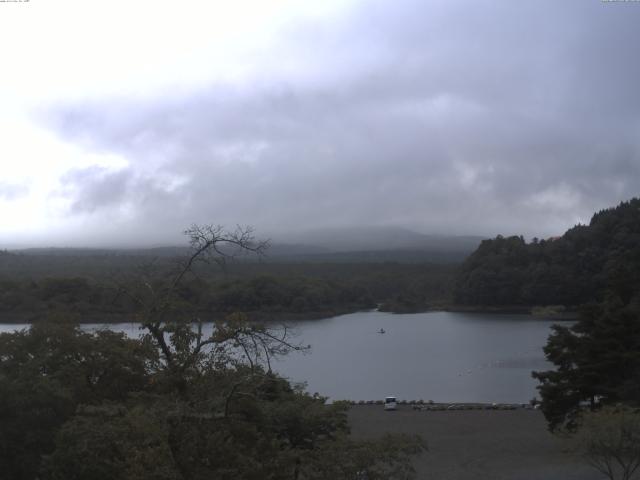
(442, 356)
(445, 357)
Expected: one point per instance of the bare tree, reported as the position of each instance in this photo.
(183, 345)
(610, 441)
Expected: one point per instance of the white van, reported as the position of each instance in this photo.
(390, 403)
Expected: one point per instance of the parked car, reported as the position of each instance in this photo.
(390, 403)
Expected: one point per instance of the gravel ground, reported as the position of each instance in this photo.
(478, 444)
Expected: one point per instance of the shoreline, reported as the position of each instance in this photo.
(7, 318)
(553, 312)
(542, 313)
(429, 405)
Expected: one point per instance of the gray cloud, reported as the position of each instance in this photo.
(465, 117)
(95, 188)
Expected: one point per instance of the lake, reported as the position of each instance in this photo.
(439, 356)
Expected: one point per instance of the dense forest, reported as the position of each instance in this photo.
(32, 286)
(570, 270)
(32, 300)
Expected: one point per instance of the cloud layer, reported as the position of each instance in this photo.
(475, 117)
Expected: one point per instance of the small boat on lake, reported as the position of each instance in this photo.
(381, 331)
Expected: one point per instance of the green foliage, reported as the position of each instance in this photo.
(110, 441)
(46, 373)
(571, 270)
(264, 293)
(77, 405)
(597, 362)
(298, 294)
(30, 414)
(90, 283)
(266, 430)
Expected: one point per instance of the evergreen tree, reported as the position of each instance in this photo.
(597, 362)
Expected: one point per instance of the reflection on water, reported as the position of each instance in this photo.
(440, 356)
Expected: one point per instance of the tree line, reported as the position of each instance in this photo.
(576, 268)
(88, 300)
(302, 291)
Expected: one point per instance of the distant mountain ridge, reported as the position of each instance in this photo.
(334, 244)
(358, 239)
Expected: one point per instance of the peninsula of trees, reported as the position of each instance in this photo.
(576, 268)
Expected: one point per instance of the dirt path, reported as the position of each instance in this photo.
(478, 444)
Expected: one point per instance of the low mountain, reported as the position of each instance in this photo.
(364, 239)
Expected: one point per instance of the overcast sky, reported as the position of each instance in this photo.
(124, 122)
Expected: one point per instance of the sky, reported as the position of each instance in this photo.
(122, 123)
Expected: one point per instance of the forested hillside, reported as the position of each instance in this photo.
(262, 290)
(570, 270)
